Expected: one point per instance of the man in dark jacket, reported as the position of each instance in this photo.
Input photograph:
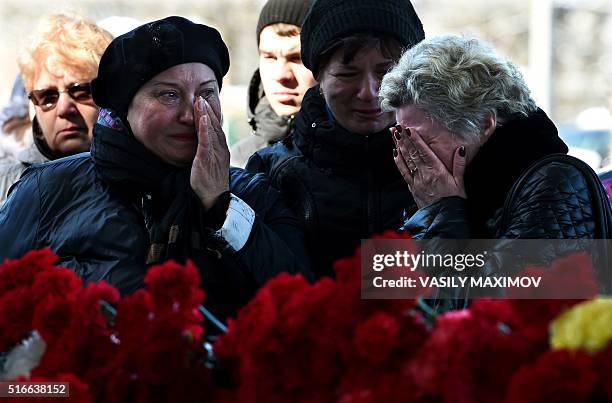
(279, 84)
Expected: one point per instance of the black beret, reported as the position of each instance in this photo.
(329, 20)
(134, 58)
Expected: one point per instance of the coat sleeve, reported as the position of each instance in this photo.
(20, 217)
(444, 219)
(261, 234)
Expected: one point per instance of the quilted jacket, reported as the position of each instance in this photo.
(520, 185)
(554, 202)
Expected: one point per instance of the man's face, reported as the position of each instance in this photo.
(285, 79)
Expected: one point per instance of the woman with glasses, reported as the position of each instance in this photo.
(157, 184)
(57, 67)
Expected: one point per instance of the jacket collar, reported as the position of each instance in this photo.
(262, 118)
(511, 149)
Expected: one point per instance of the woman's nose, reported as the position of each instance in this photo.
(66, 106)
(186, 115)
(369, 86)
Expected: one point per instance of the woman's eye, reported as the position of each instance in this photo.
(168, 97)
(168, 94)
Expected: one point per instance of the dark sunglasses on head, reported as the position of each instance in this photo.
(47, 98)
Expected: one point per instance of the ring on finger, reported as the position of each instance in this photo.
(413, 170)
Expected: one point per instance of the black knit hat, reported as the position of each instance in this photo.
(286, 11)
(134, 58)
(334, 19)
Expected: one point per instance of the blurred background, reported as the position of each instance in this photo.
(563, 47)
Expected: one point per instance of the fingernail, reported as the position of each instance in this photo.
(408, 132)
(462, 151)
(201, 103)
(394, 153)
(398, 131)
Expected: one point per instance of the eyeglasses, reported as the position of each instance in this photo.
(47, 98)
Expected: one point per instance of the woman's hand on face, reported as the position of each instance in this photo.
(210, 168)
(426, 175)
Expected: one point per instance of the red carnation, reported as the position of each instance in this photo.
(556, 376)
(602, 366)
(22, 272)
(16, 310)
(174, 286)
(466, 359)
(376, 337)
(52, 318)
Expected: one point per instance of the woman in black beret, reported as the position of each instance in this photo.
(157, 184)
(337, 165)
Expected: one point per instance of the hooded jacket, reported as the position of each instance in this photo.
(344, 185)
(267, 127)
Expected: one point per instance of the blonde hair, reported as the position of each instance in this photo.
(71, 41)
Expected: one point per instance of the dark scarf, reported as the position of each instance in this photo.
(510, 150)
(128, 167)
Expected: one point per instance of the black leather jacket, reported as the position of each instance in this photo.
(553, 203)
(345, 186)
(102, 236)
(520, 185)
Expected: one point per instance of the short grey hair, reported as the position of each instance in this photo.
(459, 82)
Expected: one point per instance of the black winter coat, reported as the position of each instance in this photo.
(553, 203)
(102, 236)
(345, 186)
(521, 185)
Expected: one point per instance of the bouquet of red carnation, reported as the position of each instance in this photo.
(146, 349)
(320, 342)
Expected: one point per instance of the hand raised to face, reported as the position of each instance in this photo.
(210, 168)
(425, 174)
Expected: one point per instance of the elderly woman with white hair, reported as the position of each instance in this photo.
(480, 158)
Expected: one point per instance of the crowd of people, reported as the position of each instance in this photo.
(360, 122)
